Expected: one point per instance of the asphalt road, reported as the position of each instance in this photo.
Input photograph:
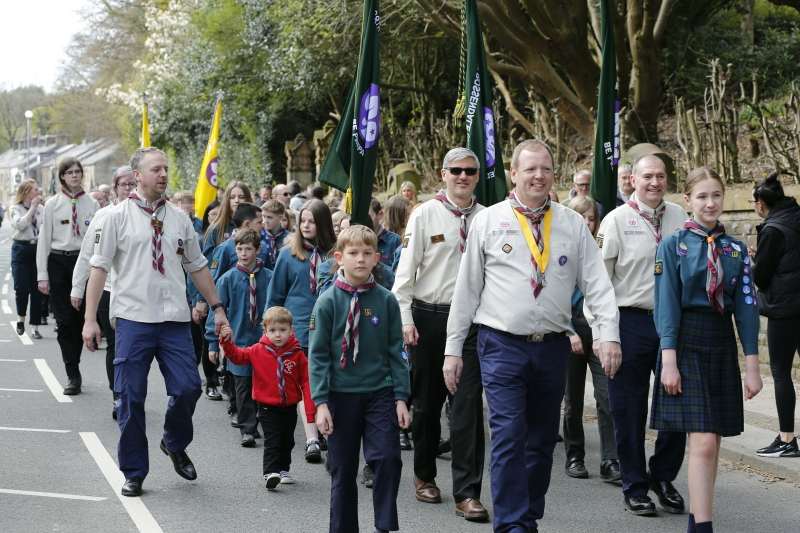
(65, 478)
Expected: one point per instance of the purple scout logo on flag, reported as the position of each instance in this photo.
(488, 133)
(369, 116)
(211, 172)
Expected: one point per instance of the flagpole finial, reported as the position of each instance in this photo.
(220, 95)
(144, 98)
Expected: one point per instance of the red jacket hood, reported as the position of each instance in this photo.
(290, 345)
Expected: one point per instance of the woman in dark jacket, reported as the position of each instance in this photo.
(776, 273)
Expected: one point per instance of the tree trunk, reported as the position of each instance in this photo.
(749, 22)
(642, 15)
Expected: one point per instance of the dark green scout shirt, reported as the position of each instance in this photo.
(380, 361)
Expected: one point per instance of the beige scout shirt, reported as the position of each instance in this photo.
(494, 282)
(139, 292)
(23, 230)
(628, 246)
(56, 232)
(431, 257)
(80, 275)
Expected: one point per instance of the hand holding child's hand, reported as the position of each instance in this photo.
(403, 418)
(225, 333)
(324, 420)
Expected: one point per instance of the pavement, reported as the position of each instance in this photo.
(58, 466)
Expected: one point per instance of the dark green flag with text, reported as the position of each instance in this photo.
(475, 106)
(606, 140)
(351, 161)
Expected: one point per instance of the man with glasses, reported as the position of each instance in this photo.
(581, 184)
(281, 193)
(435, 240)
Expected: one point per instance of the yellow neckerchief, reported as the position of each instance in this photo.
(541, 257)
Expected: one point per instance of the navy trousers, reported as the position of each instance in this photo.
(524, 384)
(627, 395)
(136, 345)
(371, 416)
(23, 269)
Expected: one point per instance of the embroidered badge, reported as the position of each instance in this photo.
(746, 269)
(724, 243)
(562, 260)
(747, 260)
(311, 322)
(86, 223)
(682, 250)
(367, 312)
(746, 289)
(405, 241)
(505, 224)
(659, 266)
(632, 222)
(736, 247)
(507, 248)
(214, 265)
(746, 279)
(375, 320)
(734, 254)
(733, 280)
(748, 300)
(97, 237)
(600, 240)
(437, 238)
(180, 242)
(288, 366)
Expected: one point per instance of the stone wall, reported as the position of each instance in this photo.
(740, 218)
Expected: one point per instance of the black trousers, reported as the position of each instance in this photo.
(783, 340)
(68, 319)
(574, 438)
(103, 318)
(201, 353)
(278, 424)
(467, 436)
(245, 404)
(23, 269)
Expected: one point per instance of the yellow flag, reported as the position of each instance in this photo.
(145, 127)
(206, 191)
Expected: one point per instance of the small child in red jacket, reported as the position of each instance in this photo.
(280, 381)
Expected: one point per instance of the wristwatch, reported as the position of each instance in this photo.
(216, 306)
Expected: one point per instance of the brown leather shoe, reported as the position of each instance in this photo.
(472, 510)
(427, 491)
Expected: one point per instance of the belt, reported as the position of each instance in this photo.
(67, 253)
(536, 337)
(26, 241)
(433, 308)
(638, 310)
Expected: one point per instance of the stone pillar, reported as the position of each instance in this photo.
(300, 165)
(322, 142)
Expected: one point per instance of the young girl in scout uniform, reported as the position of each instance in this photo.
(294, 284)
(219, 231)
(703, 276)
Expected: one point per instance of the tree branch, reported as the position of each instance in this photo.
(663, 16)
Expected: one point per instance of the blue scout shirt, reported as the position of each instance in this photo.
(224, 259)
(387, 246)
(396, 262)
(680, 273)
(325, 278)
(291, 288)
(197, 223)
(233, 288)
(266, 243)
(208, 248)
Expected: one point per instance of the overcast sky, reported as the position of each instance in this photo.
(35, 35)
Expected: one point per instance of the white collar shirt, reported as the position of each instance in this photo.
(494, 283)
(23, 229)
(430, 257)
(124, 244)
(56, 232)
(80, 274)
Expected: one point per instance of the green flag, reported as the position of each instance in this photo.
(606, 140)
(475, 106)
(350, 164)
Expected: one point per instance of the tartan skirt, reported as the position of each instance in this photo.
(711, 400)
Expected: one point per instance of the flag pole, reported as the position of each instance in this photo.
(145, 123)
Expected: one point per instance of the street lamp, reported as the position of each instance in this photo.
(29, 116)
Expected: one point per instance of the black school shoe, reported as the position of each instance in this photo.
(20, 328)
(640, 506)
(609, 470)
(778, 448)
(132, 486)
(668, 496)
(73, 387)
(575, 468)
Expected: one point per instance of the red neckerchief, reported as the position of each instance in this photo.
(351, 326)
(714, 277)
(73, 198)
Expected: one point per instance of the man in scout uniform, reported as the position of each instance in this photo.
(628, 238)
(525, 256)
(434, 242)
(149, 242)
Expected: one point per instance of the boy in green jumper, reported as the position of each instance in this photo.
(359, 382)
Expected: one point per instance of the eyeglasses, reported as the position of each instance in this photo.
(285, 194)
(129, 185)
(456, 171)
(583, 185)
(73, 172)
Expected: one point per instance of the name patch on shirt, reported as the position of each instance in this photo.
(634, 232)
(64, 222)
(437, 238)
(497, 232)
(311, 322)
(659, 266)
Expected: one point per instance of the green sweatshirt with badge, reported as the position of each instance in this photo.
(380, 362)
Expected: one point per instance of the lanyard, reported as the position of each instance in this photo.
(540, 257)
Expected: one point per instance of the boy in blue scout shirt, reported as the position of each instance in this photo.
(703, 276)
(359, 382)
(243, 292)
(247, 215)
(273, 234)
(388, 242)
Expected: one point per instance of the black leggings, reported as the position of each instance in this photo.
(783, 339)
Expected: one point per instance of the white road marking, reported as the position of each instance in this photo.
(6, 308)
(5, 340)
(13, 360)
(20, 390)
(52, 495)
(5, 288)
(51, 381)
(141, 516)
(35, 429)
(8, 276)
(24, 337)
